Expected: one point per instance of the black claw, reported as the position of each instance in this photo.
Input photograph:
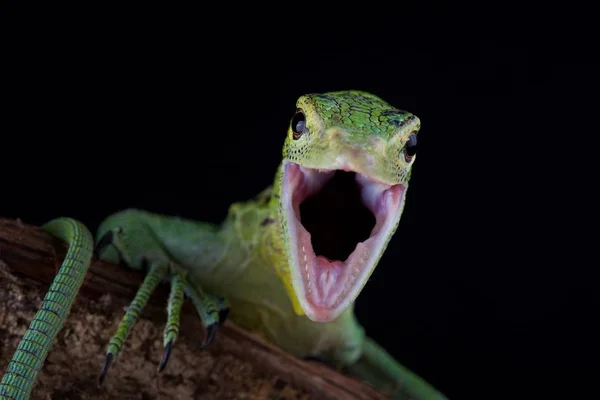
(109, 359)
(211, 330)
(103, 243)
(166, 356)
(223, 315)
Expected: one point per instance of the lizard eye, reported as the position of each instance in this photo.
(298, 124)
(410, 148)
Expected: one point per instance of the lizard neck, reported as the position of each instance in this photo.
(254, 236)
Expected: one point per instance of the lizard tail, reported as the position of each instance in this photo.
(378, 368)
(33, 348)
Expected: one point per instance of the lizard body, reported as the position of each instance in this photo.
(289, 263)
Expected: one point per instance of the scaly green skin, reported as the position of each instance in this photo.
(29, 357)
(252, 264)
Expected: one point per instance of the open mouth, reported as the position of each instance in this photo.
(338, 225)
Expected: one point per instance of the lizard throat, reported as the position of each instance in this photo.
(339, 223)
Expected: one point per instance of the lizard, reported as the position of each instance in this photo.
(288, 264)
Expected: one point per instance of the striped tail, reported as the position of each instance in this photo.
(20, 376)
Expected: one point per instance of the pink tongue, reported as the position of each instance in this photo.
(327, 278)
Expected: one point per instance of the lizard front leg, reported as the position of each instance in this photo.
(139, 240)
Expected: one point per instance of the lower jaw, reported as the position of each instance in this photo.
(322, 314)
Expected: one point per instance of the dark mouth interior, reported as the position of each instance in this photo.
(336, 217)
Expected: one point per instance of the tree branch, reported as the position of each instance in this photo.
(238, 363)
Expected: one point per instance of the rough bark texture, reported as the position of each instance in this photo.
(237, 365)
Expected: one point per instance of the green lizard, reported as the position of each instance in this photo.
(288, 264)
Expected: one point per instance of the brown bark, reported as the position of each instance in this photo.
(238, 364)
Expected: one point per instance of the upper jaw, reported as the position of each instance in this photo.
(325, 288)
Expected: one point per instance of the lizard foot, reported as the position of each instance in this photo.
(212, 309)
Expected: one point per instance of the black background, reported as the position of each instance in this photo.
(183, 111)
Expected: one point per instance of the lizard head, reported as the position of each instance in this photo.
(347, 161)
